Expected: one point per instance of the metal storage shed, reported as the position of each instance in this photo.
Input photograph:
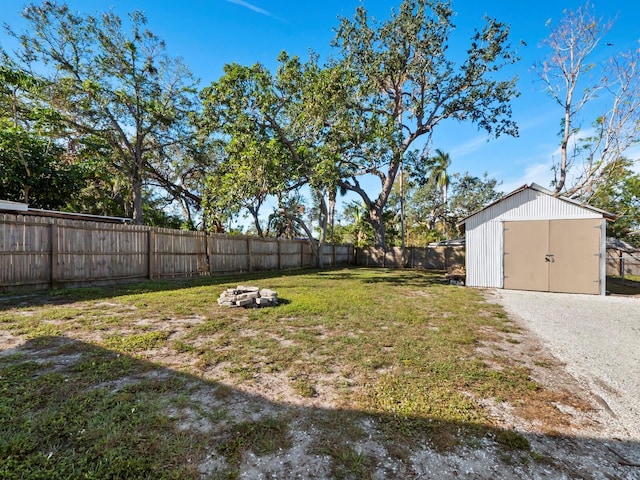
(531, 239)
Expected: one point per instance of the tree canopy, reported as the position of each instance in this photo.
(115, 85)
(579, 83)
(35, 170)
(404, 83)
(274, 130)
(96, 116)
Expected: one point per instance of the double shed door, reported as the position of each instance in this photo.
(553, 255)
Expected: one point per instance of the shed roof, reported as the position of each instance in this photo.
(538, 188)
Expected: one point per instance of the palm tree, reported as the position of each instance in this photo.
(438, 166)
(439, 177)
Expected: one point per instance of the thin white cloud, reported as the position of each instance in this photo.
(539, 173)
(254, 8)
(469, 147)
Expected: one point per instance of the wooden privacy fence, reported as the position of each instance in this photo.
(437, 257)
(43, 252)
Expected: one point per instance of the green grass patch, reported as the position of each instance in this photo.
(137, 342)
(56, 423)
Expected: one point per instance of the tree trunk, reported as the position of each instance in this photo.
(564, 146)
(324, 217)
(332, 214)
(256, 221)
(136, 187)
(315, 248)
(379, 240)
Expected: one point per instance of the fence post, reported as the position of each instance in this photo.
(620, 264)
(207, 237)
(53, 240)
(301, 253)
(248, 254)
(279, 253)
(333, 255)
(151, 240)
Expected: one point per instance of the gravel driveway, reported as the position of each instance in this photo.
(598, 338)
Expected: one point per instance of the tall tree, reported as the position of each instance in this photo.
(578, 85)
(427, 211)
(274, 127)
(438, 167)
(113, 84)
(357, 225)
(404, 83)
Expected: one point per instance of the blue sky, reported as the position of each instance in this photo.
(210, 33)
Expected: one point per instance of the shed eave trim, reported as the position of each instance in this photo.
(534, 186)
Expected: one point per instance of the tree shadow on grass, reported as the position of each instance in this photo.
(72, 409)
(416, 278)
(627, 287)
(71, 295)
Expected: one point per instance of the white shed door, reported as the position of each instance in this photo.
(553, 255)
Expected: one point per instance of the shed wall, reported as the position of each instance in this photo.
(484, 241)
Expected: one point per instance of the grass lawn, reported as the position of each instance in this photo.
(155, 380)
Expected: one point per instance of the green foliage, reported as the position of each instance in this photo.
(618, 192)
(274, 128)
(155, 215)
(116, 86)
(470, 194)
(357, 229)
(429, 218)
(402, 85)
(34, 171)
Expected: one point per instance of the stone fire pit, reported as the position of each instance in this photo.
(248, 297)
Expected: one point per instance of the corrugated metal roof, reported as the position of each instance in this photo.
(538, 188)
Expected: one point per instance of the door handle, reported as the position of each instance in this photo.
(549, 258)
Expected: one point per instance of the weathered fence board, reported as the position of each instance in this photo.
(264, 254)
(42, 252)
(290, 254)
(25, 252)
(228, 254)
